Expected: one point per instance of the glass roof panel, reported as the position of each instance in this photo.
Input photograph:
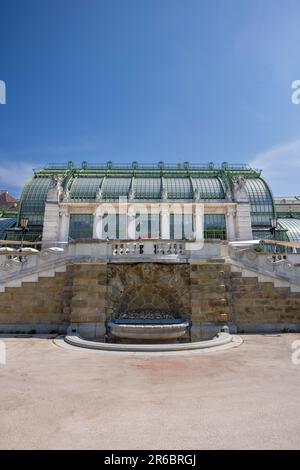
(293, 228)
(260, 197)
(179, 188)
(85, 188)
(33, 205)
(147, 188)
(113, 187)
(4, 224)
(209, 188)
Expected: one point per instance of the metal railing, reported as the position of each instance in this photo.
(215, 234)
(148, 166)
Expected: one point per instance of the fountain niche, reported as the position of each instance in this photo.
(148, 303)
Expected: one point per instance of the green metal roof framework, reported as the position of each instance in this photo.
(209, 188)
(115, 187)
(147, 188)
(179, 188)
(184, 182)
(85, 188)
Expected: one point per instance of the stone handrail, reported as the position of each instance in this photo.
(286, 267)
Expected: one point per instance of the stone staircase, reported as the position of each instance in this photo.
(264, 276)
(261, 302)
(32, 274)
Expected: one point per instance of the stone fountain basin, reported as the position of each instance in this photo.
(147, 330)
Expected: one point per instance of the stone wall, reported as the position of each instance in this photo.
(207, 293)
(209, 300)
(87, 292)
(259, 306)
(35, 303)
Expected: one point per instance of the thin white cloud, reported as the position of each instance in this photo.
(281, 167)
(15, 174)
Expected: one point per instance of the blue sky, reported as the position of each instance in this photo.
(150, 80)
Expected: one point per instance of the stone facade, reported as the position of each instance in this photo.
(207, 293)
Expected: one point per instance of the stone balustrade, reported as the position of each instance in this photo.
(282, 265)
(148, 248)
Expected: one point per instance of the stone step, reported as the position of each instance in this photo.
(295, 288)
(49, 273)
(280, 283)
(31, 278)
(264, 278)
(14, 283)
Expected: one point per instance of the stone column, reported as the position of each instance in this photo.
(64, 221)
(243, 210)
(165, 222)
(199, 221)
(230, 224)
(51, 223)
(243, 222)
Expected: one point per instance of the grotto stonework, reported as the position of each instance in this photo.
(148, 287)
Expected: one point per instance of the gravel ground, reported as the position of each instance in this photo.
(53, 397)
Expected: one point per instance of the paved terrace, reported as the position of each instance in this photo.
(247, 397)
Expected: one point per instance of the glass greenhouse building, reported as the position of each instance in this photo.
(172, 202)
